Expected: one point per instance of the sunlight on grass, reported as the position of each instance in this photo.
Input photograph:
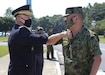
(102, 39)
(3, 51)
(3, 38)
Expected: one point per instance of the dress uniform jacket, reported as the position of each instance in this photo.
(38, 59)
(20, 43)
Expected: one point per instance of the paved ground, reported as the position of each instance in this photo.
(51, 67)
(4, 61)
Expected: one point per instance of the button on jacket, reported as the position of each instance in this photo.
(20, 43)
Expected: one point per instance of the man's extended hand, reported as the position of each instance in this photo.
(67, 34)
(56, 37)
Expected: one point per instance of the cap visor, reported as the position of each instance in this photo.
(26, 12)
(66, 15)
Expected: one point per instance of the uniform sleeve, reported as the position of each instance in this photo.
(94, 46)
(39, 38)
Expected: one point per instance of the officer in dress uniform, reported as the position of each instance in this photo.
(20, 43)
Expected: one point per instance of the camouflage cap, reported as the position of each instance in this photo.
(72, 10)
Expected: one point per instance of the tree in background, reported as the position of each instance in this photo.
(6, 24)
(8, 12)
(95, 12)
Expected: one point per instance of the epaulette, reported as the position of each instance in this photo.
(22, 27)
(46, 34)
(25, 27)
(93, 34)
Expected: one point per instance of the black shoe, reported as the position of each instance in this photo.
(48, 58)
(53, 58)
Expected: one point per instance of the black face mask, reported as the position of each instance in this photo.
(28, 23)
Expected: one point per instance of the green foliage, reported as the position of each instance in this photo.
(97, 13)
(44, 22)
(6, 24)
(3, 51)
(8, 12)
(47, 21)
(100, 27)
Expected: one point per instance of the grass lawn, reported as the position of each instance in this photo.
(3, 39)
(102, 39)
(3, 51)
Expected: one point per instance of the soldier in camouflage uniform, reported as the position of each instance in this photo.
(82, 55)
(50, 49)
(82, 52)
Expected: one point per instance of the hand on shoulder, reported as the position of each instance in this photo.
(67, 34)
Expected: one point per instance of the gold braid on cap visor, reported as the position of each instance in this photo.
(26, 12)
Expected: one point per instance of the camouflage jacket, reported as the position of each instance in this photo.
(79, 52)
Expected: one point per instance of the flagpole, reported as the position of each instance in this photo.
(29, 2)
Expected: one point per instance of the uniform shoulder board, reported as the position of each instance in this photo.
(22, 27)
(93, 34)
(46, 34)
